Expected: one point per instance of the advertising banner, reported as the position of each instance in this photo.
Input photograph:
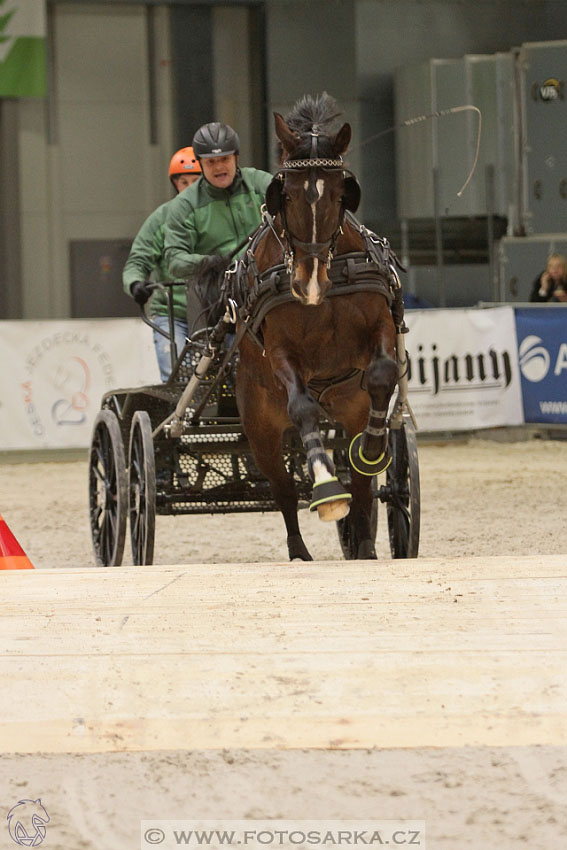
(463, 369)
(542, 353)
(463, 373)
(54, 374)
(22, 48)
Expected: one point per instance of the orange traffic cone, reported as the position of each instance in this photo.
(12, 556)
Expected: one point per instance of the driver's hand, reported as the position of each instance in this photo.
(141, 292)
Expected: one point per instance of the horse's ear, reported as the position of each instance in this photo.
(274, 196)
(286, 136)
(342, 139)
(351, 195)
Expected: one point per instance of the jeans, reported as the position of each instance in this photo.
(162, 344)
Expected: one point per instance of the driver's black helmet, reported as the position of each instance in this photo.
(215, 139)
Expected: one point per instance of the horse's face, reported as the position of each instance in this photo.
(313, 213)
(311, 202)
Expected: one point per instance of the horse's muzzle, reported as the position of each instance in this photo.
(310, 290)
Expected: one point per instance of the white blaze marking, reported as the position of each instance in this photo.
(320, 471)
(313, 285)
(313, 290)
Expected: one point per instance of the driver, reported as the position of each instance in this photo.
(212, 217)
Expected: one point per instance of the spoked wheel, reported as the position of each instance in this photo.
(142, 488)
(107, 490)
(402, 492)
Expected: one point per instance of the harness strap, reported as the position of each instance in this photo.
(319, 387)
(348, 273)
(374, 270)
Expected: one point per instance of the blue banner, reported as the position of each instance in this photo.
(542, 355)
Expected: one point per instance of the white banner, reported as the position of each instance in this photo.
(463, 373)
(464, 369)
(54, 374)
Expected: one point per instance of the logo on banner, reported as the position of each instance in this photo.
(65, 369)
(534, 359)
(430, 372)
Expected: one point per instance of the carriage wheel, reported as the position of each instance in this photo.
(107, 490)
(347, 538)
(142, 488)
(402, 487)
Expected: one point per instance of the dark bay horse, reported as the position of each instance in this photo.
(328, 324)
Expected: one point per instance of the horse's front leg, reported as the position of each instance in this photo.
(329, 497)
(368, 451)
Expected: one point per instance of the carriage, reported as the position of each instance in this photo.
(303, 404)
(138, 469)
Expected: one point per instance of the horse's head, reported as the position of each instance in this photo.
(310, 194)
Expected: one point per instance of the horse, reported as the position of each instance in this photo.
(320, 334)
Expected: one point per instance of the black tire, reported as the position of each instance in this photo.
(108, 490)
(403, 499)
(142, 489)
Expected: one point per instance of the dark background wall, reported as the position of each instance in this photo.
(209, 61)
(391, 33)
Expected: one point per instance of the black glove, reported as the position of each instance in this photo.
(141, 292)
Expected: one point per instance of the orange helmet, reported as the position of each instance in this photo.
(184, 162)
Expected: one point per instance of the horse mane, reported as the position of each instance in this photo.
(313, 114)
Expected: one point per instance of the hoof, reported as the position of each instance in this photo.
(362, 464)
(297, 549)
(333, 511)
(325, 493)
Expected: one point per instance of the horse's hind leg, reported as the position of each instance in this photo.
(266, 445)
(354, 416)
(262, 407)
(285, 496)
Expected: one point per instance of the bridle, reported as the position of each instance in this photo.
(276, 203)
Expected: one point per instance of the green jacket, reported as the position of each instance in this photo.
(203, 220)
(146, 256)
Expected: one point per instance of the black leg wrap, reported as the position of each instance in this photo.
(362, 464)
(297, 548)
(328, 491)
(315, 450)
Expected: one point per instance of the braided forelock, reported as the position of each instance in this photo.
(318, 114)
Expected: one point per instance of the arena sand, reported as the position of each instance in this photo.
(478, 498)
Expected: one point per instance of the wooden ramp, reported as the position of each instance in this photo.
(345, 655)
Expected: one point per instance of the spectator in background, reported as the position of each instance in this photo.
(146, 258)
(551, 284)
